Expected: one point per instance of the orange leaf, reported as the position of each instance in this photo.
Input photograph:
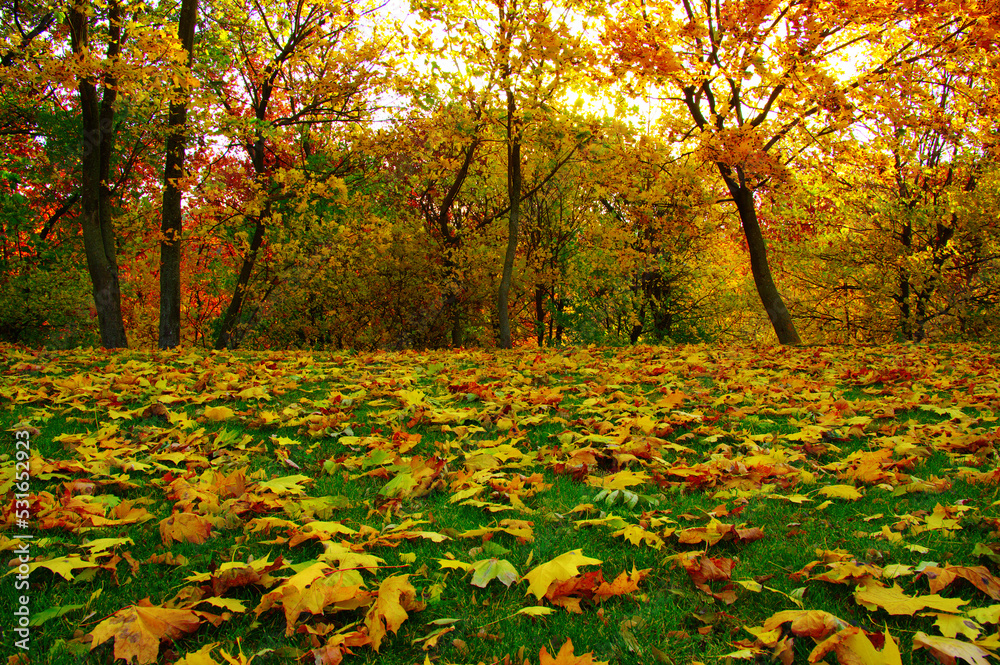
(567, 657)
(185, 528)
(978, 576)
(621, 585)
(812, 623)
(947, 650)
(137, 630)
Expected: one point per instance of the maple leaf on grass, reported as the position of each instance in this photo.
(218, 413)
(138, 629)
(567, 657)
(978, 576)
(388, 612)
(853, 647)
(559, 569)
(185, 528)
(317, 589)
(238, 574)
(894, 601)
(812, 623)
(623, 584)
(948, 650)
(485, 570)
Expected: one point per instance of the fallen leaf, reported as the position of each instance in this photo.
(947, 649)
(558, 569)
(137, 630)
(567, 657)
(894, 601)
(388, 612)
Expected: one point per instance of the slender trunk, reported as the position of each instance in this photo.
(540, 314)
(457, 336)
(559, 326)
(256, 152)
(513, 219)
(98, 143)
(225, 339)
(903, 299)
(774, 305)
(171, 222)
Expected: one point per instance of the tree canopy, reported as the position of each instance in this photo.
(340, 174)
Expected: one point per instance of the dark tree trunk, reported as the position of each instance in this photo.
(256, 151)
(775, 307)
(513, 220)
(225, 339)
(98, 143)
(171, 221)
(540, 314)
(903, 297)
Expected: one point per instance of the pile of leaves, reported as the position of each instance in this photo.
(668, 504)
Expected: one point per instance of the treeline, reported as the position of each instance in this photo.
(351, 175)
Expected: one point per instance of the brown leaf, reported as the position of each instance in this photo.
(185, 528)
(979, 576)
(947, 649)
(137, 630)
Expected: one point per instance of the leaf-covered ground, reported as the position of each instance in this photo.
(672, 505)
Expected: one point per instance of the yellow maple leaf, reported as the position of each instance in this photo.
(618, 481)
(317, 589)
(218, 413)
(847, 492)
(388, 612)
(64, 565)
(894, 601)
(559, 569)
(853, 647)
(950, 625)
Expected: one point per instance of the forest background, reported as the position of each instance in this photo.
(339, 174)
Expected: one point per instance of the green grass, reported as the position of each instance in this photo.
(753, 440)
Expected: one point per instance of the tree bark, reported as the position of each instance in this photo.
(540, 314)
(774, 305)
(225, 339)
(171, 223)
(98, 143)
(513, 220)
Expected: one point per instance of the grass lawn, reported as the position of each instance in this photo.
(650, 505)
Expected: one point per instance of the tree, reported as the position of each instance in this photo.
(755, 82)
(528, 51)
(173, 171)
(298, 66)
(98, 116)
(911, 250)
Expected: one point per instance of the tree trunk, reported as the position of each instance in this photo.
(171, 221)
(778, 314)
(225, 339)
(540, 314)
(98, 143)
(513, 219)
